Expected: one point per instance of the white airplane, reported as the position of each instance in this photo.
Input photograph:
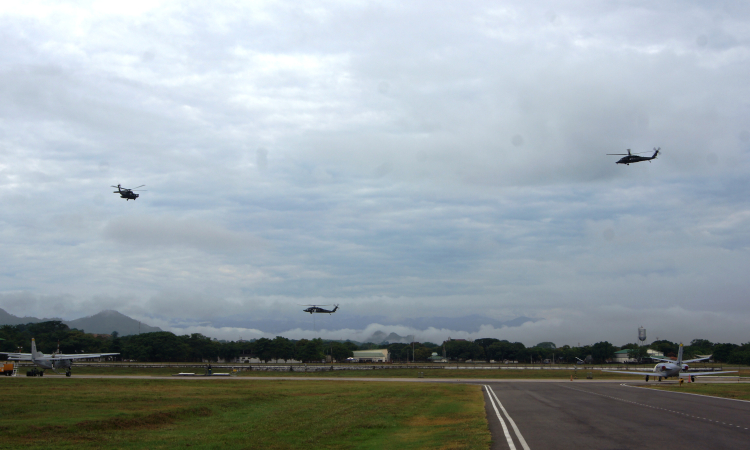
(53, 361)
(668, 368)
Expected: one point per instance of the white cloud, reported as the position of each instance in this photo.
(424, 159)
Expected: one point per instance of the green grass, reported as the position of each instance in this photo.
(269, 414)
(739, 391)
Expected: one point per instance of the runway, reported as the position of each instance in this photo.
(611, 416)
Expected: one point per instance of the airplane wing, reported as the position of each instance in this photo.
(18, 356)
(697, 359)
(79, 355)
(695, 374)
(665, 359)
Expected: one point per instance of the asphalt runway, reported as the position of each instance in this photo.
(585, 415)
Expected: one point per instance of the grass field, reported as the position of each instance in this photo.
(93, 413)
(739, 391)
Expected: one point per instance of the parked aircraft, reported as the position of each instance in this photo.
(52, 361)
(668, 368)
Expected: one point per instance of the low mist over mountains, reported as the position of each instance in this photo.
(374, 329)
(341, 320)
(104, 322)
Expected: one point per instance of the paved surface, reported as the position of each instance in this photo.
(585, 415)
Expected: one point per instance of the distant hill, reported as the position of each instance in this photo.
(9, 319)
(104, 322)
(108, 321)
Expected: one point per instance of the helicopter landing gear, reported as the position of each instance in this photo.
(67, 374)
(659, 378)
(647, 378)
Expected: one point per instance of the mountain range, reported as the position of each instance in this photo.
(108, 321)
(104, 322)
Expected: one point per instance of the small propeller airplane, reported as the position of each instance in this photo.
(52, 361)
(318, 309)
(668, 368)
(126, 193)
(634, 158)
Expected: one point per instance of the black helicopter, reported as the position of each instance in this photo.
(318, 309)
(126, 193)
(634, 158)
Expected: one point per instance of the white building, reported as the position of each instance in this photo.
(374, 355)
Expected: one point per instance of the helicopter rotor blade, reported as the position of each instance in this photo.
(618, 154)
(138, 187)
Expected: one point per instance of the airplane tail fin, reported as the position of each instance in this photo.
(679, 356)
(34, 353)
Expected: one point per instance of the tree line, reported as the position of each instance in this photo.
(165, 346)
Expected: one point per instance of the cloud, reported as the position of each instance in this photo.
(421, 160)
(165, 231)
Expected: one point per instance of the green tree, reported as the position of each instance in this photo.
(310, 351)
(262, 349)
(340, 351)
(546, 345)
(723, 352)
(463, 350)
(602, 351)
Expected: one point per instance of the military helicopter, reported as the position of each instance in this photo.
(634, 158)
(318, 309)
(126, 193)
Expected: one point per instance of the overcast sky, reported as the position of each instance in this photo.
(401, 159)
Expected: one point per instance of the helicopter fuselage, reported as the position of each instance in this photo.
(633, 159)
(128, 195)
(630, 159)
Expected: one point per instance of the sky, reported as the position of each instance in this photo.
(404, 160)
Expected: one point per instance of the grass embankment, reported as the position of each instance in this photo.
(154, 414)
(739, 391)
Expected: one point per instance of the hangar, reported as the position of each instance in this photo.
(374, 355)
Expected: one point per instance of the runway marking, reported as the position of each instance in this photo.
(689, 393)
(519, 436)
(649, 406)
(502, 422)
